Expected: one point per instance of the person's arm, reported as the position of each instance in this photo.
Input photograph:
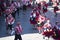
(15, 29)
(13, 20)
(21, 29)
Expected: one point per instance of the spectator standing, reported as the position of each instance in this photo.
(18, 31)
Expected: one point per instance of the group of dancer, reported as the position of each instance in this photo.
(10, 13)
(42, 23)
(37, 18)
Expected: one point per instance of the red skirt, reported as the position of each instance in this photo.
(48, 34)
(33, 22)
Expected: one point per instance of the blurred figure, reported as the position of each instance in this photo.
(56, 33)
(9, 22)
(55, 6)
(13, 9)
(24, 7)
(44, 6)
(41, 18)
(39, 7)
(47, 25)
(40, 22)
(18, 7)
(33, 18)
(29, 4)
(18, 31)
(47, 30)
(39, 26)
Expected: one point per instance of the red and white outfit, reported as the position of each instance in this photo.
(12, 8)
(47, 30)
(37, 15)
(18, 29)
(47, 25)
(7, 11)
(9, 23)
(10, 20)
(41, 18)
(34, 16)
(32, 20)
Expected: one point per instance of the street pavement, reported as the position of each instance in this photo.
(28, 32)
(34, 36)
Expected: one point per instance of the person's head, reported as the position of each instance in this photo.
(18, 23)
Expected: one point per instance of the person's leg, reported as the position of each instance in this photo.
(18, 11)
(20, 38)
(10, 26)
(16, 37)
(9, 29)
